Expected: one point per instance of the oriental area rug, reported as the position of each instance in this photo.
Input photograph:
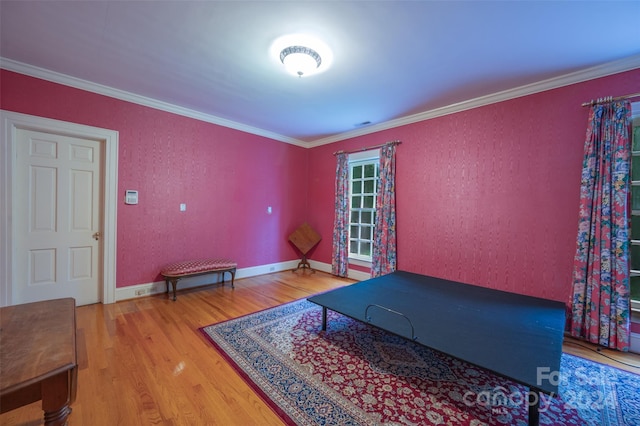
(356, 374)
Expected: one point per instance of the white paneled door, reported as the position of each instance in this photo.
(57, 218)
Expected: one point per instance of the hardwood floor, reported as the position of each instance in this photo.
(144, 362)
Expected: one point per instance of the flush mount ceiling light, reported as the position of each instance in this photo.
(300, 60)
(302, 55)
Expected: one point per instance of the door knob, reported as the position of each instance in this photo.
(96, 236)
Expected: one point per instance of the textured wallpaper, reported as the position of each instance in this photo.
(487, 196)
(227, 179)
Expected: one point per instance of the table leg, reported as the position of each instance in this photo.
(304, 264)
(534, 404)
(324, 318)
(57, 395)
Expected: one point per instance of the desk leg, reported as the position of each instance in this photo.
(324, 318)
(57, 395)
(534, 404)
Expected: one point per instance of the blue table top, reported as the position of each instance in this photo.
(513, 335)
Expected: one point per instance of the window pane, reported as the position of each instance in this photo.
(365, 232)
(354, 232)
(635, 227)
(635, 198)
(356, 172)
(368, 216)
(353, 247)
(636, 138)
(356, 188)
(368, 202)
(635, 257)
(365, 248)
(635, 168)
(369, 186)
(355, 217)
(369, 170)
(635, 288)
(355, 202)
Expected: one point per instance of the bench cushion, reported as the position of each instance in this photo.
(189, 267)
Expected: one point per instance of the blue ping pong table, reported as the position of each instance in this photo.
(512, 335)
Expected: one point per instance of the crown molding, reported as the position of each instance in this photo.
(55, 77)
(599, 71)
(626, 64)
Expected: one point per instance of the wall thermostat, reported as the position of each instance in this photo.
(131, 197)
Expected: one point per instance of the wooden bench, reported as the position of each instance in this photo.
(174, 272)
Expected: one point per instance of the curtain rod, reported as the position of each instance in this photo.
(609, 99)
(396, 142)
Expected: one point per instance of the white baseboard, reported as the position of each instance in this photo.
(359, 275)
(140, 290)
(143, 290)
(353, 274)
(266, 269)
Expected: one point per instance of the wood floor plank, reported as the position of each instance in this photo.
(144, 362)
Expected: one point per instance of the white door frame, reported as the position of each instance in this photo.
(10, 122)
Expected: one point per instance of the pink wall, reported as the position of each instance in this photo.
(487, 196)
(226, 177)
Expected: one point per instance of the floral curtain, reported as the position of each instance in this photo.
(340, 260)
(600, 300)
(383, 260)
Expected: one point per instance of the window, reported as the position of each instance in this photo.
(635, 214)
(364, 169)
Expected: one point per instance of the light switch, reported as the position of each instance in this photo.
(131, 197)
(269, 210)
(183, 207)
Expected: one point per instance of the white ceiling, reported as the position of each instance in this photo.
(392, 59)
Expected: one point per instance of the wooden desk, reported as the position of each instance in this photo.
(38, 357)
